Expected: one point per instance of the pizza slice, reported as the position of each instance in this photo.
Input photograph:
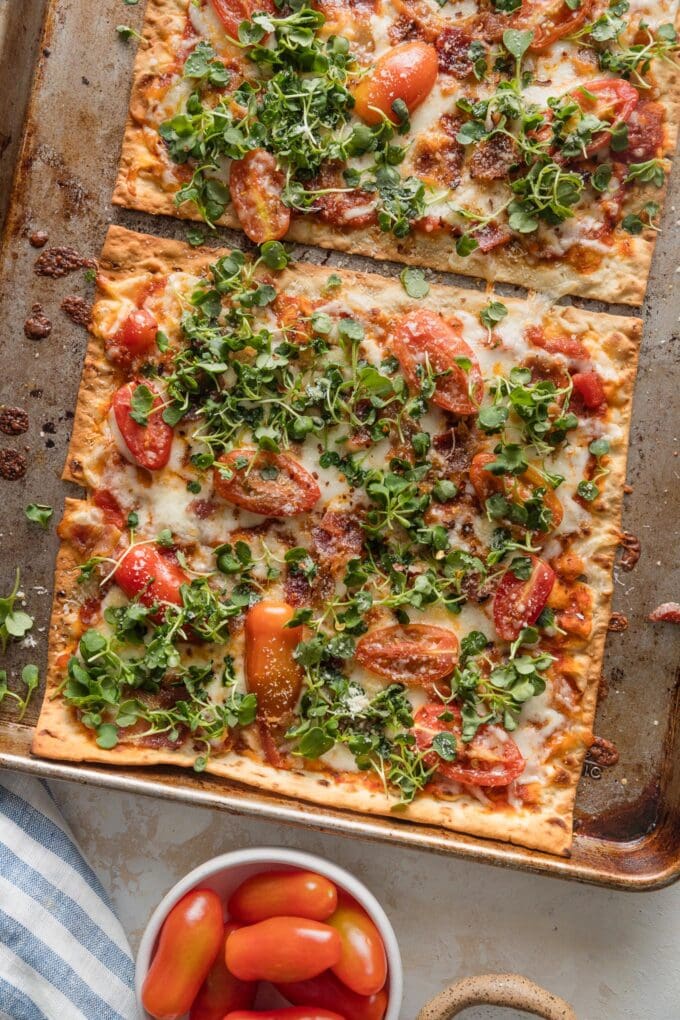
(517, 140)
(342, 542)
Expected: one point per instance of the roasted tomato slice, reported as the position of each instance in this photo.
(232, 12)
(109, 506)
(491, 758)
(272, 672)
(149, 445)
(518, 603)
(611, 100)
(407, 72)
(423, 338)
(588, 391)
(145, 572)
(411, 654)
(550, 20)
(271, 484)
(516, 490)
(137, 334)
(256, 186)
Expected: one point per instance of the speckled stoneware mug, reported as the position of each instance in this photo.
(509, 990)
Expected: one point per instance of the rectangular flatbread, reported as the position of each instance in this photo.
(425, 484)
(516, 140)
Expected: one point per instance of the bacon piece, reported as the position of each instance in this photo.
(339, 537)
(453, 45)
(618, 623)
(633, 549)
(603, 753)
(493, 158)
(645, 133)
(491, 236)
(438, 156)
(667, 612)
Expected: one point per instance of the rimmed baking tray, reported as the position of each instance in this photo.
(72, 111)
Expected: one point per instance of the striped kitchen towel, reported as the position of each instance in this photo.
(63, 952)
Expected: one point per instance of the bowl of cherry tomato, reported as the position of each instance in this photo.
(269, 934)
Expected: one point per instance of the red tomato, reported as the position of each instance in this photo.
(290, 1013)
(256, 185)
(515, 489)
(271, 484)
(137, 335)
(149, 445)
(292, 893)
(363, 963)
(190, 939)
(609, 99)
(407, 72)
(282, 949)
(422, 337)
(517, 603)
(222, 991)
(667, 612)
(325, 990)
(588, 390)
(550, 20)
(561, 343)
(232, 12)
(271, 671)
(146, 572)
(414, 653)
(491, 758)
(109, 506)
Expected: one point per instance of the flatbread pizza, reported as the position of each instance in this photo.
(340, 541)
(517, 140)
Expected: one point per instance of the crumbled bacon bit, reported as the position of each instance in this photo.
(667, 612)
(77, 309)
(493, 158)
(617, 623)
(58, 262)
(631, 544)
(13, 421)
(37, 326)
(491, 236)
(453, 47)
(13, 465)
(603, 753)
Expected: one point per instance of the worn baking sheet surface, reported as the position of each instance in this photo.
(627, 832)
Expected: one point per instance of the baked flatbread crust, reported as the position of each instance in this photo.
(548, 827)
(620, 276)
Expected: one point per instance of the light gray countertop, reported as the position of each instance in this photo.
(613, 955)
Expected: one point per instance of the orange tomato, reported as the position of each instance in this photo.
(191, 937)
(289, 1013)
(282, 949)
(283, 893)
(256, 185)
(363, 964)
(515, 490)
(271, 671)
(407, 72)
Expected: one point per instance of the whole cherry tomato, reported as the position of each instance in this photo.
(325, 990)
(282, 949)
(588, 390)
(137, 334)
(283, 893)
(406, 72)
(191, 937)
(145, 572)
(221, 991)
(412, 653)
(363, 963)
(232, 12)
(271, 671)
(491, 758)
(148, 445)
(519, 602)
(423, 338)
(256, 186)
(289, 1013)
(271, 484)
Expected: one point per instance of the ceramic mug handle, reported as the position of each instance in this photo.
(511, 990)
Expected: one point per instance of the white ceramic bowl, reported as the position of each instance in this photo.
(226, 872)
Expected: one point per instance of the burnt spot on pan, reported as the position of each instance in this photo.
(78, 310)
(37, 326)
(13, 421)
(626, 822)
(59, 262)
(13, 465)
(38, 238)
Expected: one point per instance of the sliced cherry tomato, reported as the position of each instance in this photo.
(146, 572)
(325, 990)
(610, 99)
(137, 335)
(191, 937)
(406, 72)
(109, 506)
(284, 893)
(256, 185)
(363, 963)
(221, 991)
(667, 612)
(550, 20)
(271, 484)
(414, 653)
(556, 343)
(232, 12)
(290, 1013)
(588, 390)
(422, 337)
(491, 758)
(282, 949)
(516, 490)
(518, 603)
(148, 445)
(271, 671)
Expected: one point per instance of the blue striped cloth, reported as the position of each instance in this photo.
(63, 952)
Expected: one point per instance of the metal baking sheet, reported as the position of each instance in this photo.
(628, 817)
